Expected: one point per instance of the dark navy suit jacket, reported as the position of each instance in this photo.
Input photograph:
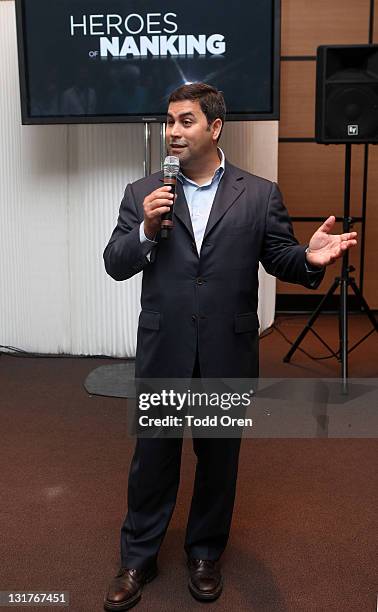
(208, 302)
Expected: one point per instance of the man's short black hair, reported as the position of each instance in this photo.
(211, 100)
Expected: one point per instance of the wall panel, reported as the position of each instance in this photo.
(371, 250)
(307, 24)
(34, 281)
(311, 177)
(297, 118)
(102, 160)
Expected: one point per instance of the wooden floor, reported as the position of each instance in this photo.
(362, 361)
(304, 534)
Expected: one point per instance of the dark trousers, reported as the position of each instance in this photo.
(152, 489)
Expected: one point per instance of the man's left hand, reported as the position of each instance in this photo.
(324, 247)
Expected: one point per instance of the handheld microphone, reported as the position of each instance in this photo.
(171, 169)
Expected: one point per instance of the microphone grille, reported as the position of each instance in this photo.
(171, 165)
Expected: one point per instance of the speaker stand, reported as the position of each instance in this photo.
(344, 282)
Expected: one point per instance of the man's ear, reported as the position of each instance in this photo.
(216, 128)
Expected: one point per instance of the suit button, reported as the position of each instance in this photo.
(200, 281)
(194, 317)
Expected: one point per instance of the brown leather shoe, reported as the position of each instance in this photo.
(125, 590)
(205, 579)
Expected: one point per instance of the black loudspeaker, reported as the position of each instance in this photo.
(346, 94)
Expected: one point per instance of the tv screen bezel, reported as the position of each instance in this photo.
(274, 115)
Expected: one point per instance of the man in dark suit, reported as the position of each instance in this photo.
(199, 319)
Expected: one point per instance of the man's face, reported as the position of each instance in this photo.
(188, 135)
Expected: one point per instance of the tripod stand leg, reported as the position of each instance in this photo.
(311, 320)
(363, 303)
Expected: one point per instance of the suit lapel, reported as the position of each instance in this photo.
(181, 210)
(230, 188)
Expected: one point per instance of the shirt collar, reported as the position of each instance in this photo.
(217, 174)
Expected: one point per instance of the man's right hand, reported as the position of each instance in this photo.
(154, 205)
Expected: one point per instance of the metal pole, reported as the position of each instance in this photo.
(147, 149)
(363, 215)
(162, 144)
(345, 273)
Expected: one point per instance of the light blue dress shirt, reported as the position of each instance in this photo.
(200, 199)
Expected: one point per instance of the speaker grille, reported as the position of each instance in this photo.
(347, 94)
(352, 106)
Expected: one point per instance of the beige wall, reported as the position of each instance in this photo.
(310, 175)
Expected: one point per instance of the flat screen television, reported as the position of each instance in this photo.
(115, 61)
